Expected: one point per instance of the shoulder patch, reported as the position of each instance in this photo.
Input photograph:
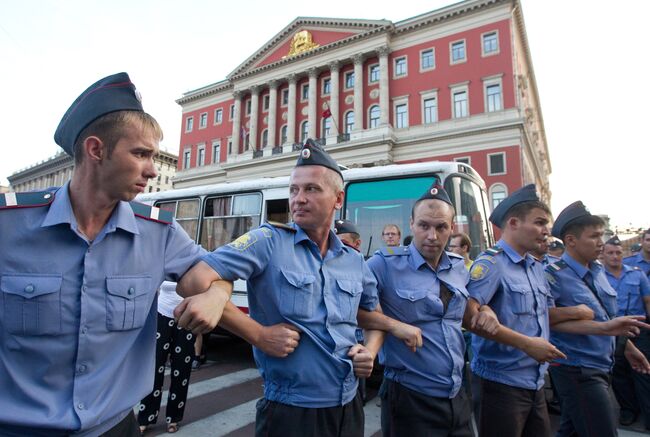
(279, 225)
(26, 200)
(152, 213)
(244, 242)
(394, 251)
(478, 271)
(486, 257)
(556, 266)
(494, 250)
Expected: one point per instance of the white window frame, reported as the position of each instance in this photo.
(262, 145)
(497, 51)
(489, 164)
(248, 107)
(304, 96)
(304, 131)
(266, 102)
(324, 127)
(491, 81)
(406, 67)
(457, 88)
(231, 114)
(203, 120)
(460, 158)
(322, 88)
(229, 145)
(218, 120)
(492, 189)
(370, 126)
(451, 51)
(345, 80)
(345, 122)
(216, 157)
(189, 123)
(427, 95)
(283, 140)
(433, 51)
(187, 157)
(200, 155)
(398, 101)
(282, 103)
(370, 67)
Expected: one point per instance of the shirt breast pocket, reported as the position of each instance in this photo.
(522, 299)
(31, 304)
(415, 305)
(128, 301)
(296, 294)
(348, 298)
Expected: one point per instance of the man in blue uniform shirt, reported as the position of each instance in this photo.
(424, 286)
(582, 379)
(632, 389)
(642, 258)
(79, 272)
(304, 290)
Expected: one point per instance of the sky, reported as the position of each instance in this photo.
(589, 58)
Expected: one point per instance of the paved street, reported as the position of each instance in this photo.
(223, 393)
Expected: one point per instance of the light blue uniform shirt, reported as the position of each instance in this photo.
(289, 282)
(569, 289)
(409, 291)
(515, 288)
(638, 261)
(631, 287)
(78, 318)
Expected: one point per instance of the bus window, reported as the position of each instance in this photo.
(277, 210)
(373, 204)
(470, 214)
(228, 217)
(186, 213)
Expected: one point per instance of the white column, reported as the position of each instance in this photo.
(273, 111)
(313, 102)
(236, 122)
(334, 96)
(358, 92)
(291, 114)
(383, 85)
(255, 104)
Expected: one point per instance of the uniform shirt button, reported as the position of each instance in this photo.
(30, 288)
(82, 368)
(131, 291)
(81, 406)
(84, 330)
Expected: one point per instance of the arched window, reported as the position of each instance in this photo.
(265, 138)
(349, 122)
(374, 116)
(283, 134)
(327, 126)
(304, 131)
(498, 192)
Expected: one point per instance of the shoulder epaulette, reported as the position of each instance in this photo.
(454, 255)
(394, 250)
(26, 200)
(279, 225)
(152, 213)
(494, 250)
(556, 266)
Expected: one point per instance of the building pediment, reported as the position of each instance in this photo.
(304, 37)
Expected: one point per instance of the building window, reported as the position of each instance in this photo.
(327, 86)
(458, 52)
(401, 116)
(460, 103)
(229, 146)
(201, 156)
(496, 164)
(493, 97)
(189, 124)
(265, 138)
(150, 188)
(186, 159)
(203, 120)
(218, 116)
(283, 134)
(349, 122)
(327, 126)
(490, 43)
(464, 159)
(427, 60)
(249, 105)
(374, 116)
(430, 110)
(304, 131)
(167, 179)
(498, 192)
(373, 73)
(304, 95)
(285, 97)
(400, 66)
(232, 112)
(216, 152)
(247, 141)
(349, 80)
(265, 102)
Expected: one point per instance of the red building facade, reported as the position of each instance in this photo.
(453, 84)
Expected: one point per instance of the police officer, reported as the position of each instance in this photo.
(632, 389)
(642, 258)
(424, 286)
(304, 290)
(79, 273)
(541, 253)
(348, 233)
(582, 379)
(511, 281)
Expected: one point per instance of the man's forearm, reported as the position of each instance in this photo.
(375, 320)
(564, 314)
(374, 339)
(235, 321)
(581, 327)
(198, 279)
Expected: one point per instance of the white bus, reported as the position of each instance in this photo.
(214, 215)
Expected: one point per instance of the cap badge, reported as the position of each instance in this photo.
(138, 95)
(306, 153)
(434, 191)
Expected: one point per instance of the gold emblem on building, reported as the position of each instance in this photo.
(301, 42)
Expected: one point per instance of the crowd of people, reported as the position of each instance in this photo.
(83, 264)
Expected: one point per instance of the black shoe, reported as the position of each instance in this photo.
(195, 364)
(626, 418)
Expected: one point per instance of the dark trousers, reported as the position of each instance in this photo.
(405, 412)
(587, 409)
(178, 345)
(508, 411)
(632, 389)
(128, 427)
(274, 419)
